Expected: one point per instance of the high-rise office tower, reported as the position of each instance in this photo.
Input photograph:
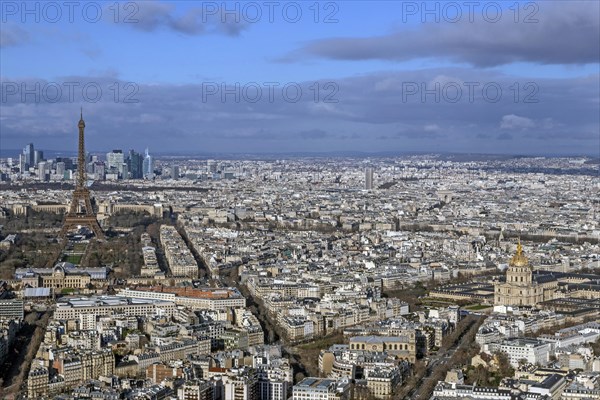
(89, 167)
(148, 166)
(125, 171)
(68, 162)
(42, 173)
(135, 165)
(22, 163)
(28, 154)
(369, 178)
(60, 168)
(99, 170)
(38, 156)
(114, 161)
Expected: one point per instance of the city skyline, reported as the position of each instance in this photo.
(395, 88)
(300, 200)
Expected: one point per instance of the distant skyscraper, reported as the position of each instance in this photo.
(42, 175)
(148, 166)
(369, 178)
(22, 163)
(38, 156)
(68, 162)
(114, 161)
(99, 170)
(125, 171)
(135, 165)
(60, 168)
(28, 154)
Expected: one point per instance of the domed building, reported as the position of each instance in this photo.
(62, 276)
(522, 287)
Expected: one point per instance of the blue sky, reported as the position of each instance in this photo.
(371, 52)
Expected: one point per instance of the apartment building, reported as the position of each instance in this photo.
(73, 308)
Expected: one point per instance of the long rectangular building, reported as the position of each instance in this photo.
(11, 308)
(72, 308)
(207, 299)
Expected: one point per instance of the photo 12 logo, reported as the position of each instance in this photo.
(471, 11)
(209, 11)
(271, 11)
(253, 92)
(68, 11)
(68, 92)
(454, 92)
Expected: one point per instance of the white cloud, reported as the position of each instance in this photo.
(431, 128)
(513, 121)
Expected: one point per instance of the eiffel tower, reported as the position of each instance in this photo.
(81, 211)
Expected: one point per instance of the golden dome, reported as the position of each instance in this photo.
(519, 260)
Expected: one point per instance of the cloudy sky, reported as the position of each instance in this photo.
(277, 76)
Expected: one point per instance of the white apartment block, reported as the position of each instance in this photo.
(532, 350)
(74, 308)
(205, 303)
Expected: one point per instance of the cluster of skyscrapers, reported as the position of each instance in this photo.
(118, 165)
(131, 166)
(29, 157)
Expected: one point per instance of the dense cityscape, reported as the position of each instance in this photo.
(300, 200)
(408, 277)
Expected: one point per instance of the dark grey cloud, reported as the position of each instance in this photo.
(154, 15)
(12, 35)
(313, 134)
(372, 113)
(269, 135)
(567, 32)
(429, 131)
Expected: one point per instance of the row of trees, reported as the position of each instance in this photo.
(33, 220)
(122, 252)
(498, 367)
(462, 337)
(35, 249)
(131, 219)
(26, 345)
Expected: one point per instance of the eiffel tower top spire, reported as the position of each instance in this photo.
(81, 122)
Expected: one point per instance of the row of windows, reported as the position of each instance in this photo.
(395, 346)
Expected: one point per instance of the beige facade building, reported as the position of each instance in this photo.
(73, 308)
(381, 381)
(403, 346)
(521, 287)
(37, 382)
(73, 367)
